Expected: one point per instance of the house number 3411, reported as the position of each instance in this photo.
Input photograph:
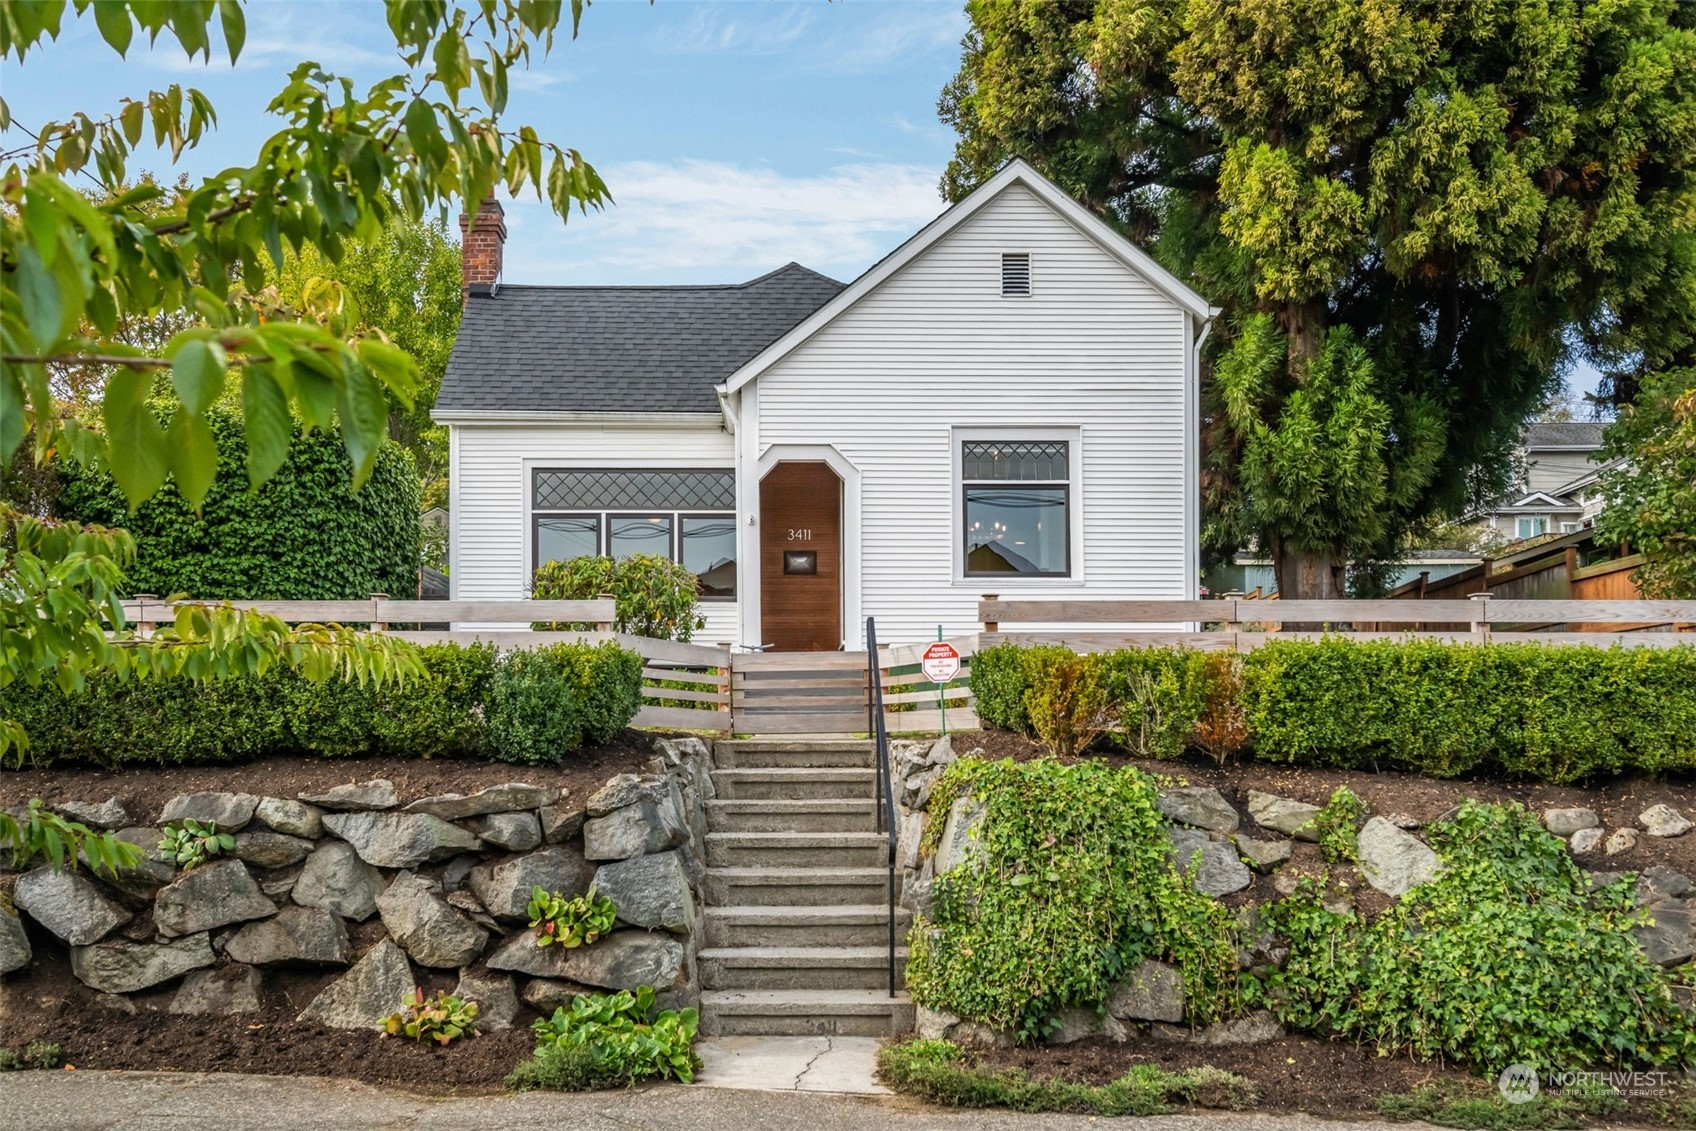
(804, 534)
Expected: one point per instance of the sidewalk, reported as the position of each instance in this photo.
(153, 1101)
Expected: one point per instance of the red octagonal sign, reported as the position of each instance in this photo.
(941, 662)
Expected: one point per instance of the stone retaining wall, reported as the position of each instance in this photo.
(448, 878)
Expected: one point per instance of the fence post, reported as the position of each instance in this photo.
(991, 625)
(1233, 625)
(144, 623)
(1481, 618)
(606, 625)
(378, 625)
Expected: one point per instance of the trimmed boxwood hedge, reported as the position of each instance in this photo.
(533, 706)
(1556, 713)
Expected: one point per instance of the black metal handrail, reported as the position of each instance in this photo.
(886, 792)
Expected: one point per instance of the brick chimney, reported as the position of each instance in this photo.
(481, 246)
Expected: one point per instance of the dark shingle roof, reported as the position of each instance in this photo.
(1571, 434)
(619, 349)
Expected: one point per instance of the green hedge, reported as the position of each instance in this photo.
(306, 535)
(1554, 713)
(530, 706)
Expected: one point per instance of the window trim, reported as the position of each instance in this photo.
(1076, 503)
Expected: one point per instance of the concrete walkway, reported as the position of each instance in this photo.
(157, 1101)
(791, 1064)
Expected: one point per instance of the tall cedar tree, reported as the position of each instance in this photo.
(1415, 216)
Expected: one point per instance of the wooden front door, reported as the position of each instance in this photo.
(801, 558)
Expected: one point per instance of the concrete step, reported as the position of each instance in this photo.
(842, 1013)
(792, 753)
(820, 815)
(800, 968)
(795, 887)
(865, 924)
(794, 784)
(797, 850)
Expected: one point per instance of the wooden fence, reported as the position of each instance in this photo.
(1235, 624)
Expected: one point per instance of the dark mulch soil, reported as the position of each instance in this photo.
(146, 789)
(1617, 802)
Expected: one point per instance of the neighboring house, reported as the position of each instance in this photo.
(1006, 403)
(1559, 493)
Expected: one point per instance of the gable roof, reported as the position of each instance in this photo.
(1017, 171)
(1573, 435)
(618, 349)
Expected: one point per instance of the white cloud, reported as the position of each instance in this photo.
(709, 221)
(815, 37)
(743, 30)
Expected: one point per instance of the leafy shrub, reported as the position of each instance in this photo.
(305, 535)
(441, 1017)
(570, 922)
(192, 843)
(1221, 726)
(941, 1073)
(46, 834)
(1067, 704)
(543, 702)
(655, 596)
(37, 1054)
(998, 687)
(610, 1040)
(1337, 825)
(1157, 695)
(1072, 886)
(1504, 958)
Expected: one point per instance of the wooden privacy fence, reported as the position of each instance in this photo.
(685, 686)
(1240, 624)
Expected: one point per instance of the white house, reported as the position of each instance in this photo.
(1007, 404)
(1559, 492)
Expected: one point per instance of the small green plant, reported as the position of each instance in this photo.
(41, 1055)
(610, 1040)
(192, 843)
(44, 833)
(1481, 1108)
(942, 1073)
(442, 1018)
(570, 922)
(1337, 825)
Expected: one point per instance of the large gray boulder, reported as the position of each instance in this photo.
(562, 823)
(649, 891)
(1201, 806)
(629, 789)
(1077, 1023)
(14, 943)
(307, 935)
(231, 811)
(210, 896)
(150, 873)
(515, 832)
(372, 990)
(1284, 815)
(118, 966)
(293, 818)
(400, 840)
(1263, 855)
(109, 814)
(1669, 938)
(635, 830)
(496, 998)
(69, 904)
(337, 880)
(378, 793)
(1257, 1028)
(424, 926)
(1153, 991)
(520, 955)
(1220, 870)
(1565, 822)
(1664, 821)
(220, 991)
(1393, 861)
(271, 850)
(545, 995)
(503, 887)
(508, 798)
(625, 960)
(959, 834)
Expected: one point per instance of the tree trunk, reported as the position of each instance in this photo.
(1304, 575)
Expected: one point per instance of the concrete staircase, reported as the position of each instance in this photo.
(797, 916)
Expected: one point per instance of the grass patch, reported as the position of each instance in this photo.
(1482, 1108)
(940, 1072)
(36, 1054)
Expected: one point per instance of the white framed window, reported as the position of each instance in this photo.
(1571, 527)
(1016, 507)
(1531, 525)
(687, 515)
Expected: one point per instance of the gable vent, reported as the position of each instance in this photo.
(1015, 274)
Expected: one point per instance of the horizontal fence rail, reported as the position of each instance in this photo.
(1233, 624)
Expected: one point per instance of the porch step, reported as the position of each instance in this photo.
(819, 815)
(865, 924)
(840, 1013)
(797, 850)
(800, 968)
(796, 887)
(794, 784)
(801, 753)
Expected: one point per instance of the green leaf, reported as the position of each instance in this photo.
(136, 448)
(235, 26)
(364, 415)
(38, 291)
(11, 412)
(268, 425)
(197, 374)
(194, 456)
(113, 20)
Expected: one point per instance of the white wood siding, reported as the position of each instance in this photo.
(936, 347)
(491, 503)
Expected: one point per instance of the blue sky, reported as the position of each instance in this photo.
(735, 136)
